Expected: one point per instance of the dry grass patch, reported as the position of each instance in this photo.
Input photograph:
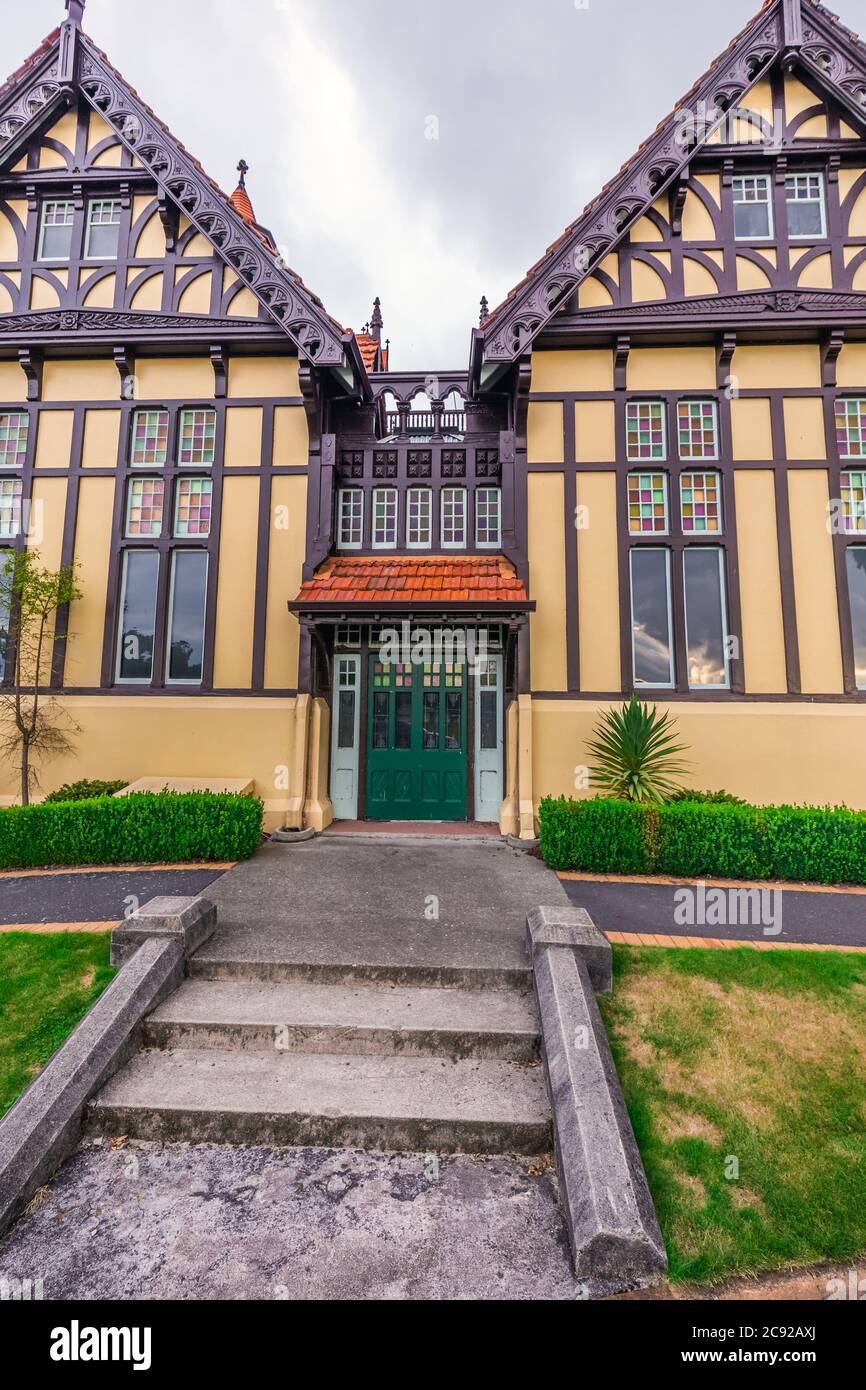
(745, 1076)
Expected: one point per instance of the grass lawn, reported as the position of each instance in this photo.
(47, 983)
(746, 1063)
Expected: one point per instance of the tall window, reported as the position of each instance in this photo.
(137, 615)
(856, 561)
(806, 205)
(753, 207)
(4, 613)
(384, 518)
(55, 231)
(652, 647)
(186, 617)
(419, 518)
(103, 229)
(706, 636)
(350, 525)
(453, 518)
(488, 518)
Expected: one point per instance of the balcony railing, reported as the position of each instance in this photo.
(423, 422)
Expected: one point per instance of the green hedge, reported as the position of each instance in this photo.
(85, 791)
(141, 829)
(798, 844)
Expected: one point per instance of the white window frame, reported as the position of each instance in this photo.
(768, 184)
(858, 459)
(648, 465)
(100, 202)
(394, 496)
(350, 494)
(720, 551)
(495, 544)
(453, 491)
(808, 174)
(692, 463)
(640, 473)
(653, 685)
(419, 544)
(173, 554)
(48, 203)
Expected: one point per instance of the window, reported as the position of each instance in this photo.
(488, 706)
(149, 442)
(350, 532)
(55, 235)
(4, 611)
(184, 664)
(419, 518)
(646, 439)
(349, 636)
(488, 517)
(851, 428)
(753, 208)
(697, 424)
(701, 503)
(384, 518)
(706, 638)
(103, 229)
(807, 210)
(197, 438)
(652, 649)
(10, 507)
(137, 615)
(856, 561)
(347, 680)
(144, 507)
(453, 517)
(14, 429)
(648, 504)
(854, 502)
(192, 507)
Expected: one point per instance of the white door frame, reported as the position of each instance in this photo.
(345, 761)
(487, 761)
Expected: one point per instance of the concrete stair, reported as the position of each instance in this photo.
(380, 1066)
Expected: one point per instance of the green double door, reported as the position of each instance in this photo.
(417, 763)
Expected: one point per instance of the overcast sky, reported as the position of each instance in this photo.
(534, 103)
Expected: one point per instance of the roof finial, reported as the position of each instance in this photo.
(75, 12)
(243, 170)
(377, 322)
(485, 310)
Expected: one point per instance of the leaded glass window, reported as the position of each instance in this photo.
(701, 503)
(645, 431)
(14, 430)
(149, 448)
(11, 490)
(144, 507)
(192, 509)
(697, 423)
(197, 438)
(851, 427)
(648, 504)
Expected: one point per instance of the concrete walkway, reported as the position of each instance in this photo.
(103, 896)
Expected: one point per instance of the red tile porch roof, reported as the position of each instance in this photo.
(439, 579)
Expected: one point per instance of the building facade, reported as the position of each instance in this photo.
(408, 596)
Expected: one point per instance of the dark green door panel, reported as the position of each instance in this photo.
(417, 763)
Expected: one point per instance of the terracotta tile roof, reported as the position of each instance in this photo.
(414, 579)
(40, 52)
(240, 201)
(368, 347)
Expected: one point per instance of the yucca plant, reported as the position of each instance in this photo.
(636, 756)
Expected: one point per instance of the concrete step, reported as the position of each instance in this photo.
(390, 1103)
(365, 1020)
(212, 963)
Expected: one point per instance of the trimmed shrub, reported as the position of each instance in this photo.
(85, 791)
(598, 836)
(690, 839)
(707, 798)
(141, 829)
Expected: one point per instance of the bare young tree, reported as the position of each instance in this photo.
(34, 726)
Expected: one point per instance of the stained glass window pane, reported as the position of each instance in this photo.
(14, 429)
(854, 501)
(197, 438)
(698, 429)
(648, 504)
(144, 507)
(149, 447)
(192, 511)
(10, 507)
(701, 503)
(645, 431)
(851, 427)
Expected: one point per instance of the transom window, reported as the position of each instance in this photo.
(851, 428)
(384, 518)
(103, 229)
(197, 438)
(11, 490)
(350, 529)
(854, 501)
(419, 518)
(192, 507)
(807, 209)
(701, 503)
(488, 517)
(453, 517)
(149, 444)
(645, 431)
(647, 504)
(753, 207)
(698, 429)
(14, 430)
(55, 233)
(144, 507)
